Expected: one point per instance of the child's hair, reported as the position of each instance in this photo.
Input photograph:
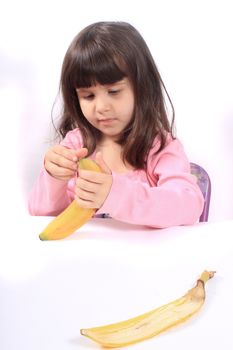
(104, 53)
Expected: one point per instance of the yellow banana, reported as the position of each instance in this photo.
(73, 217)
(151, 323)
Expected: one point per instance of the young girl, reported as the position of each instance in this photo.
(114, 112)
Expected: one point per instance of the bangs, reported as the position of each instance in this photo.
(98, 67)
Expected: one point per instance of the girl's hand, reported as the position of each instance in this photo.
(61, 162)
(92, 188)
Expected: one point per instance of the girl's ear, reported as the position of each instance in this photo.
(100, 161)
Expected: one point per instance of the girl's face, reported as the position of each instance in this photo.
(109, 108)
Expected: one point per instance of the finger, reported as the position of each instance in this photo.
(58, 171)
(63, 162)
(82, 152)
(69, 153)
(65, 152)
(84, 195)
(100, 161)
(85, 185)
(86, 204)
(92, 176)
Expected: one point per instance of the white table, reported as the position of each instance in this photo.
(107, 272)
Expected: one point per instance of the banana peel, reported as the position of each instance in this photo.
(73, 217)
(153, 322)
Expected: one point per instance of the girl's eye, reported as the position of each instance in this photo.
(114, 92)
(88, 97)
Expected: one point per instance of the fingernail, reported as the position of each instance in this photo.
(75, 159)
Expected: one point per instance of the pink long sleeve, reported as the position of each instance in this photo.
(170, 197)
(49, 196)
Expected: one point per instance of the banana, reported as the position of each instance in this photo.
(151, 323)
(73, 217)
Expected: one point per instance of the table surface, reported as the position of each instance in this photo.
(107, 272)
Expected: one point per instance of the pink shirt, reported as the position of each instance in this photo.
(166, 195)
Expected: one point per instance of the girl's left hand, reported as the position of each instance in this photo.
(92, 188)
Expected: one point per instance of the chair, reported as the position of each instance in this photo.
(204, 183)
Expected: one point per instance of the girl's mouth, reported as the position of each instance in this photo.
(107, 121)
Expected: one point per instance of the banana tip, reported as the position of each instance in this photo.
(82, 331)
(212, 273)
(42, 237)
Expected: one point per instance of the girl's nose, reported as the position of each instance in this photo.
(102, 104)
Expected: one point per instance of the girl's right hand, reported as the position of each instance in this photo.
(61, 162)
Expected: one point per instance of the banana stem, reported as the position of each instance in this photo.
(206, 275)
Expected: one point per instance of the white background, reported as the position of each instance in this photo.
(191, 42)
(109, 272)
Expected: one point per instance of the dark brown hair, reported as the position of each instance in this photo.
(104, 53)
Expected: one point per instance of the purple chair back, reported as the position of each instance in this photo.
(204, 183)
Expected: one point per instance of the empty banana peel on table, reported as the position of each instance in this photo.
(73, 217)
(151, 323)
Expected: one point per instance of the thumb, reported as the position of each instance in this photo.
(100, 161)
(81, 152)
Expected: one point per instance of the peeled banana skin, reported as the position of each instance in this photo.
(73, 217)
(153, 322)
